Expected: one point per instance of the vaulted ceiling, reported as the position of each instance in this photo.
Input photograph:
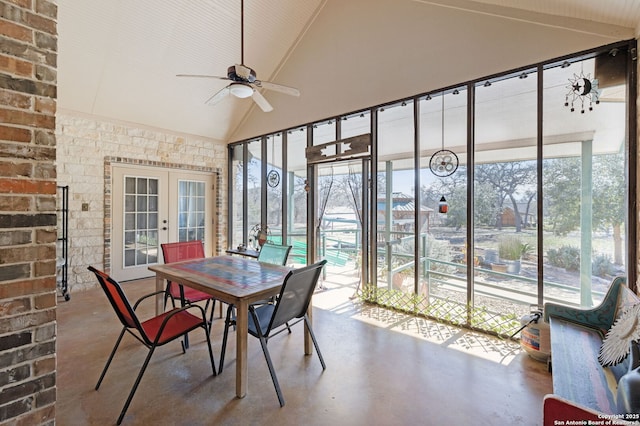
(118, 59)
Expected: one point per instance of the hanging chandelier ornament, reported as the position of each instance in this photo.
(443, 206)
(584, 89)
(444, 162)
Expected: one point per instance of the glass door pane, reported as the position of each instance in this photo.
(191, 210)
(140, 233)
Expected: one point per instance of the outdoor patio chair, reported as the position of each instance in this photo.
(269, 253)
(274, 253)
(186, 250)
(156, 331)
(268, 320)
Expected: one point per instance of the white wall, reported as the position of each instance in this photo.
(83, 144)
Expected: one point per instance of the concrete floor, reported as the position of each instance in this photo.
(383, 368)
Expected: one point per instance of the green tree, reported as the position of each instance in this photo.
(509, 179)
(486, 207)
(609, 198)
(454, 189)
(561, 180)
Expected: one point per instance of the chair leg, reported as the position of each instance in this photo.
(135, 385)
(213, 308)
(224, 337)
(272, 371)
(315, 342)
(213, 364)
(184, 302)
(166, 297)
(113, 352)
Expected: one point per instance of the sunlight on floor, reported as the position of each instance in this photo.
(337, 295)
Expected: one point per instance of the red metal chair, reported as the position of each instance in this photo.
(186, 250)
(154, 332)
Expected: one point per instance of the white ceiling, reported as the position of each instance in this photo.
(118, 58)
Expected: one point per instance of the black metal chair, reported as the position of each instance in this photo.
(269, 253)
(154, 332)
(268, 320)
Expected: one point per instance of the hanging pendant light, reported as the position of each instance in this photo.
(443, 206)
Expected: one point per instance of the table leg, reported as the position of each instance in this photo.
(242, 322)
(159, 297)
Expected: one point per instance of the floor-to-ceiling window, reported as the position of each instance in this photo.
(585, 182)
(443, 204)
(505, 199)
(395, 204)
(535, 209)
(297, 189)
(236, 205)
(274, 214)
(254, 191)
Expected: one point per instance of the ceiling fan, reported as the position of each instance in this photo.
(243, 79)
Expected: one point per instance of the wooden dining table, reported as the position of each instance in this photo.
(232, 279)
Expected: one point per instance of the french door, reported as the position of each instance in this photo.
(152, 206)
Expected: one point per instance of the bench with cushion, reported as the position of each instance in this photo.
(582, 388)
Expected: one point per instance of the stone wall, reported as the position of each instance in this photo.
(87, 149)
(28, 55)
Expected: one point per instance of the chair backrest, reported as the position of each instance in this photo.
(118, 300)
(274, 253)
(183, 250)
(295, 294)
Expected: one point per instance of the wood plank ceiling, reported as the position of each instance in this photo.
(118, 59)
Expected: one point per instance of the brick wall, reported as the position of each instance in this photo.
(88, 147)
(28, 54)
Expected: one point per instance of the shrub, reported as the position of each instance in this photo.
(601, 265)
(441, 250)
(567, 257)
(511, 247)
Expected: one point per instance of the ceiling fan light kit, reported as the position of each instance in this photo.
(244, 82)
(240, 90)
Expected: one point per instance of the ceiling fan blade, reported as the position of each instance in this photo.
(216, 77)
(218, 96)
(261, 101)
(278, 88)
